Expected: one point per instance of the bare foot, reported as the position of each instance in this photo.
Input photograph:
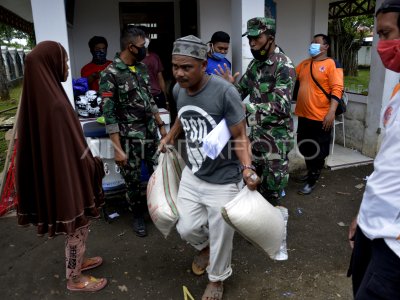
(214, 291)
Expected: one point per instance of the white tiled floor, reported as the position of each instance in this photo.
(345, 157)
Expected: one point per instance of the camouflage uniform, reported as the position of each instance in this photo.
(270, 84)
(128, 108)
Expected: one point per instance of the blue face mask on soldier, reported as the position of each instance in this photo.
(314, 49)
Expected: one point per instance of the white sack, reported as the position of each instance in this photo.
(162, 190)
(256, 220)
(216, 139)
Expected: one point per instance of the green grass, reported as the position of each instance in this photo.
(358, 84)
(15, 94)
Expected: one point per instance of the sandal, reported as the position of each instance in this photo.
(89, 284)
(91, 263)
(213, 292)
(200, 263)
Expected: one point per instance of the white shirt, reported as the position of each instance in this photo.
(379, 215)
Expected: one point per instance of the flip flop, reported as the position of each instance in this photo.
(91, 263)
(213, 292)
(91, 284)
(200, 263)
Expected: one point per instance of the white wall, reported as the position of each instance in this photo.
(297, 22)
(214, 16)
(364, 56)
(50, 24)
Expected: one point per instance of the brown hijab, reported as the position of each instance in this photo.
(58, 180)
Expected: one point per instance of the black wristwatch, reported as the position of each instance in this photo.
(161, 124)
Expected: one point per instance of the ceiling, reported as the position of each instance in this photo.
(21, 8)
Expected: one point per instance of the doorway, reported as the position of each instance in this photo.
(159, 18)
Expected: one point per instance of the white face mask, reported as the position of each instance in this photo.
(146, 43)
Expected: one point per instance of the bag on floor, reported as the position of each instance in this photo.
(256, 220)
(162, 190)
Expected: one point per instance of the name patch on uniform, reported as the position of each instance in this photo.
(106, 94)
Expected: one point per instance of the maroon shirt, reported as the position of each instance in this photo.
(154, 66)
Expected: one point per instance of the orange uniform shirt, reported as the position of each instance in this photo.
(311, 101)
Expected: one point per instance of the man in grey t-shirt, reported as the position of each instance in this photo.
(207, 185)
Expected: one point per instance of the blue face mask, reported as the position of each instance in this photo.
(314, 49)
(218, 56)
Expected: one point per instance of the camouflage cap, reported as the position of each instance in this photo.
(190, 46)
(256, 26)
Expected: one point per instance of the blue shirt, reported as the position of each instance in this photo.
(213, 64)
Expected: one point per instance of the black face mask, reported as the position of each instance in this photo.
(141, 53)
(262, 53)
(99, 57)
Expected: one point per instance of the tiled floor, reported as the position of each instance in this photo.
(345, 157)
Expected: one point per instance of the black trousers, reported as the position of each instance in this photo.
(375, 269)
(313, 143)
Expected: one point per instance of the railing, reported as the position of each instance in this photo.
(14, 62)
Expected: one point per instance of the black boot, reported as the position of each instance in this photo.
(301, 179)
(139, 226)
(312, 178)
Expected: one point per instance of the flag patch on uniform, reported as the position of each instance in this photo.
(106, 94)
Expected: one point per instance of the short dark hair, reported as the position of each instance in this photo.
(390, 6)
(97, 40)
(129, 34)
(325, 38)
(220, 36)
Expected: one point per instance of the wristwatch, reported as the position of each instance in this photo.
(161, 124)
(244, 167)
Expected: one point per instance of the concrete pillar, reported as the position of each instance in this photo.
(241, 12)
(4, 50)
(50, 24)
(21, 56)
(13, 53)
(381, 84)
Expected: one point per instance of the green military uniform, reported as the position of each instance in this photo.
(128, 109)
(270, 85)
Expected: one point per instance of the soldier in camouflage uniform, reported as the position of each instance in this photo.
(269, 80)
(131, 117)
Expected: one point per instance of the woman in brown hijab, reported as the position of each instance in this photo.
(58, 179)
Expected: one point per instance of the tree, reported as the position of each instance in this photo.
(348, 34)
(8, 33)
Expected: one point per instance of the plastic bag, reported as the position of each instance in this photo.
(258, 221)
(162, 190)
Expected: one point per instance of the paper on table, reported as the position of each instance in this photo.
(216, 139)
